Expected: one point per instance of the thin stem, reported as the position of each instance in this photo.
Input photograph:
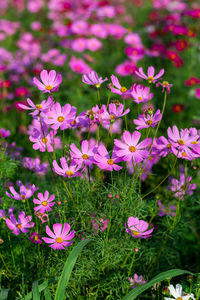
(5, 264)
(98, 96)
(133, 258)
(11, 250)
(124, 103)
(108, 99)
(68, 192)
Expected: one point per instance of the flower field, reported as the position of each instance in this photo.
(99, 149)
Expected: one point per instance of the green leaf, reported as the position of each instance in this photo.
(4, 294)
(162, 276)
(64, 278)
(41, 287)
(47, 294)
(35, 289)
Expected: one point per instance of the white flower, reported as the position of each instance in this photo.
(178, 294)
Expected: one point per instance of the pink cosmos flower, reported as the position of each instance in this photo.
(33, 164)
(60, 117)
(197, 93)
(79, 27)
(165, 85)
(126, 68)
(79, 45)
(104, 162)
(136, 280)
(35, 238)
(182, 186)
(148, 120)
(114, 112)
(25, 191)
(45, 143)
(150, 74)
(85, 155)
(79, 66)
(140, 93)
(45, 202)
(93, 44)
(4, 133)
(162, 146)
(117, 89)
(60, 237)
(92, 78)
(50, 80)
(20, 225)
(163, 211)
(44, 106)
(129, 149)
(66, 171)
(138, 228)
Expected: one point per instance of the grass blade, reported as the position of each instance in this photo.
(68, 267)
(47, 294)
(4, 294)
(35, 289)
(162, 276)
(41, 288)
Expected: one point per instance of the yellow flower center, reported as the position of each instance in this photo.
(44, 203)
(35, 237)
(184, 154)
(60, 119)
(44, 140)
(38, 106)
(49, 87)
(181, 142)
(169, 146)
(150, 78)
(132, 149)
(140, 98)
(123, 89)
(195, 142)
(149, 122)
(110, 161)
(69, 173)
(165, 83)
(179, 298)
(135, 232)
(23, 197)
(112, 117)
(19, 226)
(85, 156)
(59, 240)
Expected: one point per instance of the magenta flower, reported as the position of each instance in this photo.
(60, 237)
(25, 192)
(60, 117)
(182, 186)
(44, 106)
(83, 156)
(165, 85)
(129, 149)
(45, 202)
(92, 78)
(66, 171)
(136, 280)
(148, 120)
(116, 87)
(79, 66)
(140, 93)
(34, 165)
(138, 228)
(50, 80)
(4, 133)
(104, 162)
(35, 238)
(20, 225)
(162, 210)
(162, 146)
(150, 74)
(45, 143)
(113, 113)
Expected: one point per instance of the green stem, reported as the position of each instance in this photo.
(98, 96)
(133, 258)
(108, 99)
(124, 103)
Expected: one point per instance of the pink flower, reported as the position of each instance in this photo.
(93, 44)
(45, 143)
(197, 93)
(182, 186)
(33, 164)
(66, 171)
(104, 162)
(4, 133)
(116, 87)
(79, 66)
(138, 280)
(104, 225)
(129, 149)
(140, 93)
(150, 74)
(92, 78)
(50, 80)
(45, 202)
(113, 113)
(126, 68)
(148, 120)
(85, 156)
(44, 106)
(20, 225)
(138, 228)
(79, 45)
(25, 191)
(162, 146)
(163, 211)
(165, 85)
(79, 27)
(35, 238)
(60, 117)
(60, 237)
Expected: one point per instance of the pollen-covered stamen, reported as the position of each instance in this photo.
(85, 156)
(69, 173)
(181, 142)
(132, 149)
(38, 106)
(123, 89)
(194, 143)
(44, 140)
(110, 161)
(184, 154)
(59, 240)
(19, 226)
(149, 122)
(135, 232)
(112, 117)
(150, 78)
(179, 298)
(35, 238)
(140, 98)
(169, 146)
(165, 83)
(60, 119)
(44, 203)
(49, 87)
(23, 197)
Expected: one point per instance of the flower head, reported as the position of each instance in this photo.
(65, 169)
(104, 162)
(178, 293)
(44, 202)
(140, 93)
(4, 133)
(60, 237)
(44, 106)
(25, 192)
(151, 77)
(50, 80)
(35, 238)
(136, 280)
(138, 228)
(85, 155)
(92, 78)
(148, 120)
(116, 87)
(182, 186)
(20, 225)
(165, 85)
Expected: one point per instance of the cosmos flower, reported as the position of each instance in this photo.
(44, 202)
(44, 106)
(25, 192)
(151, 77)
(114, 112)
(148, 120)
(104, 162)
(85, 155)
(35, 238)
(4, 133)
(138, 228)
(178, 293)
(140, 93)
(116, 87)
(182, 186)
(50, 80)
(20, 225)
(165, 85)
(92, 78)
(66, 170)
(34, 165)
(60, 237)
(136, 280)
